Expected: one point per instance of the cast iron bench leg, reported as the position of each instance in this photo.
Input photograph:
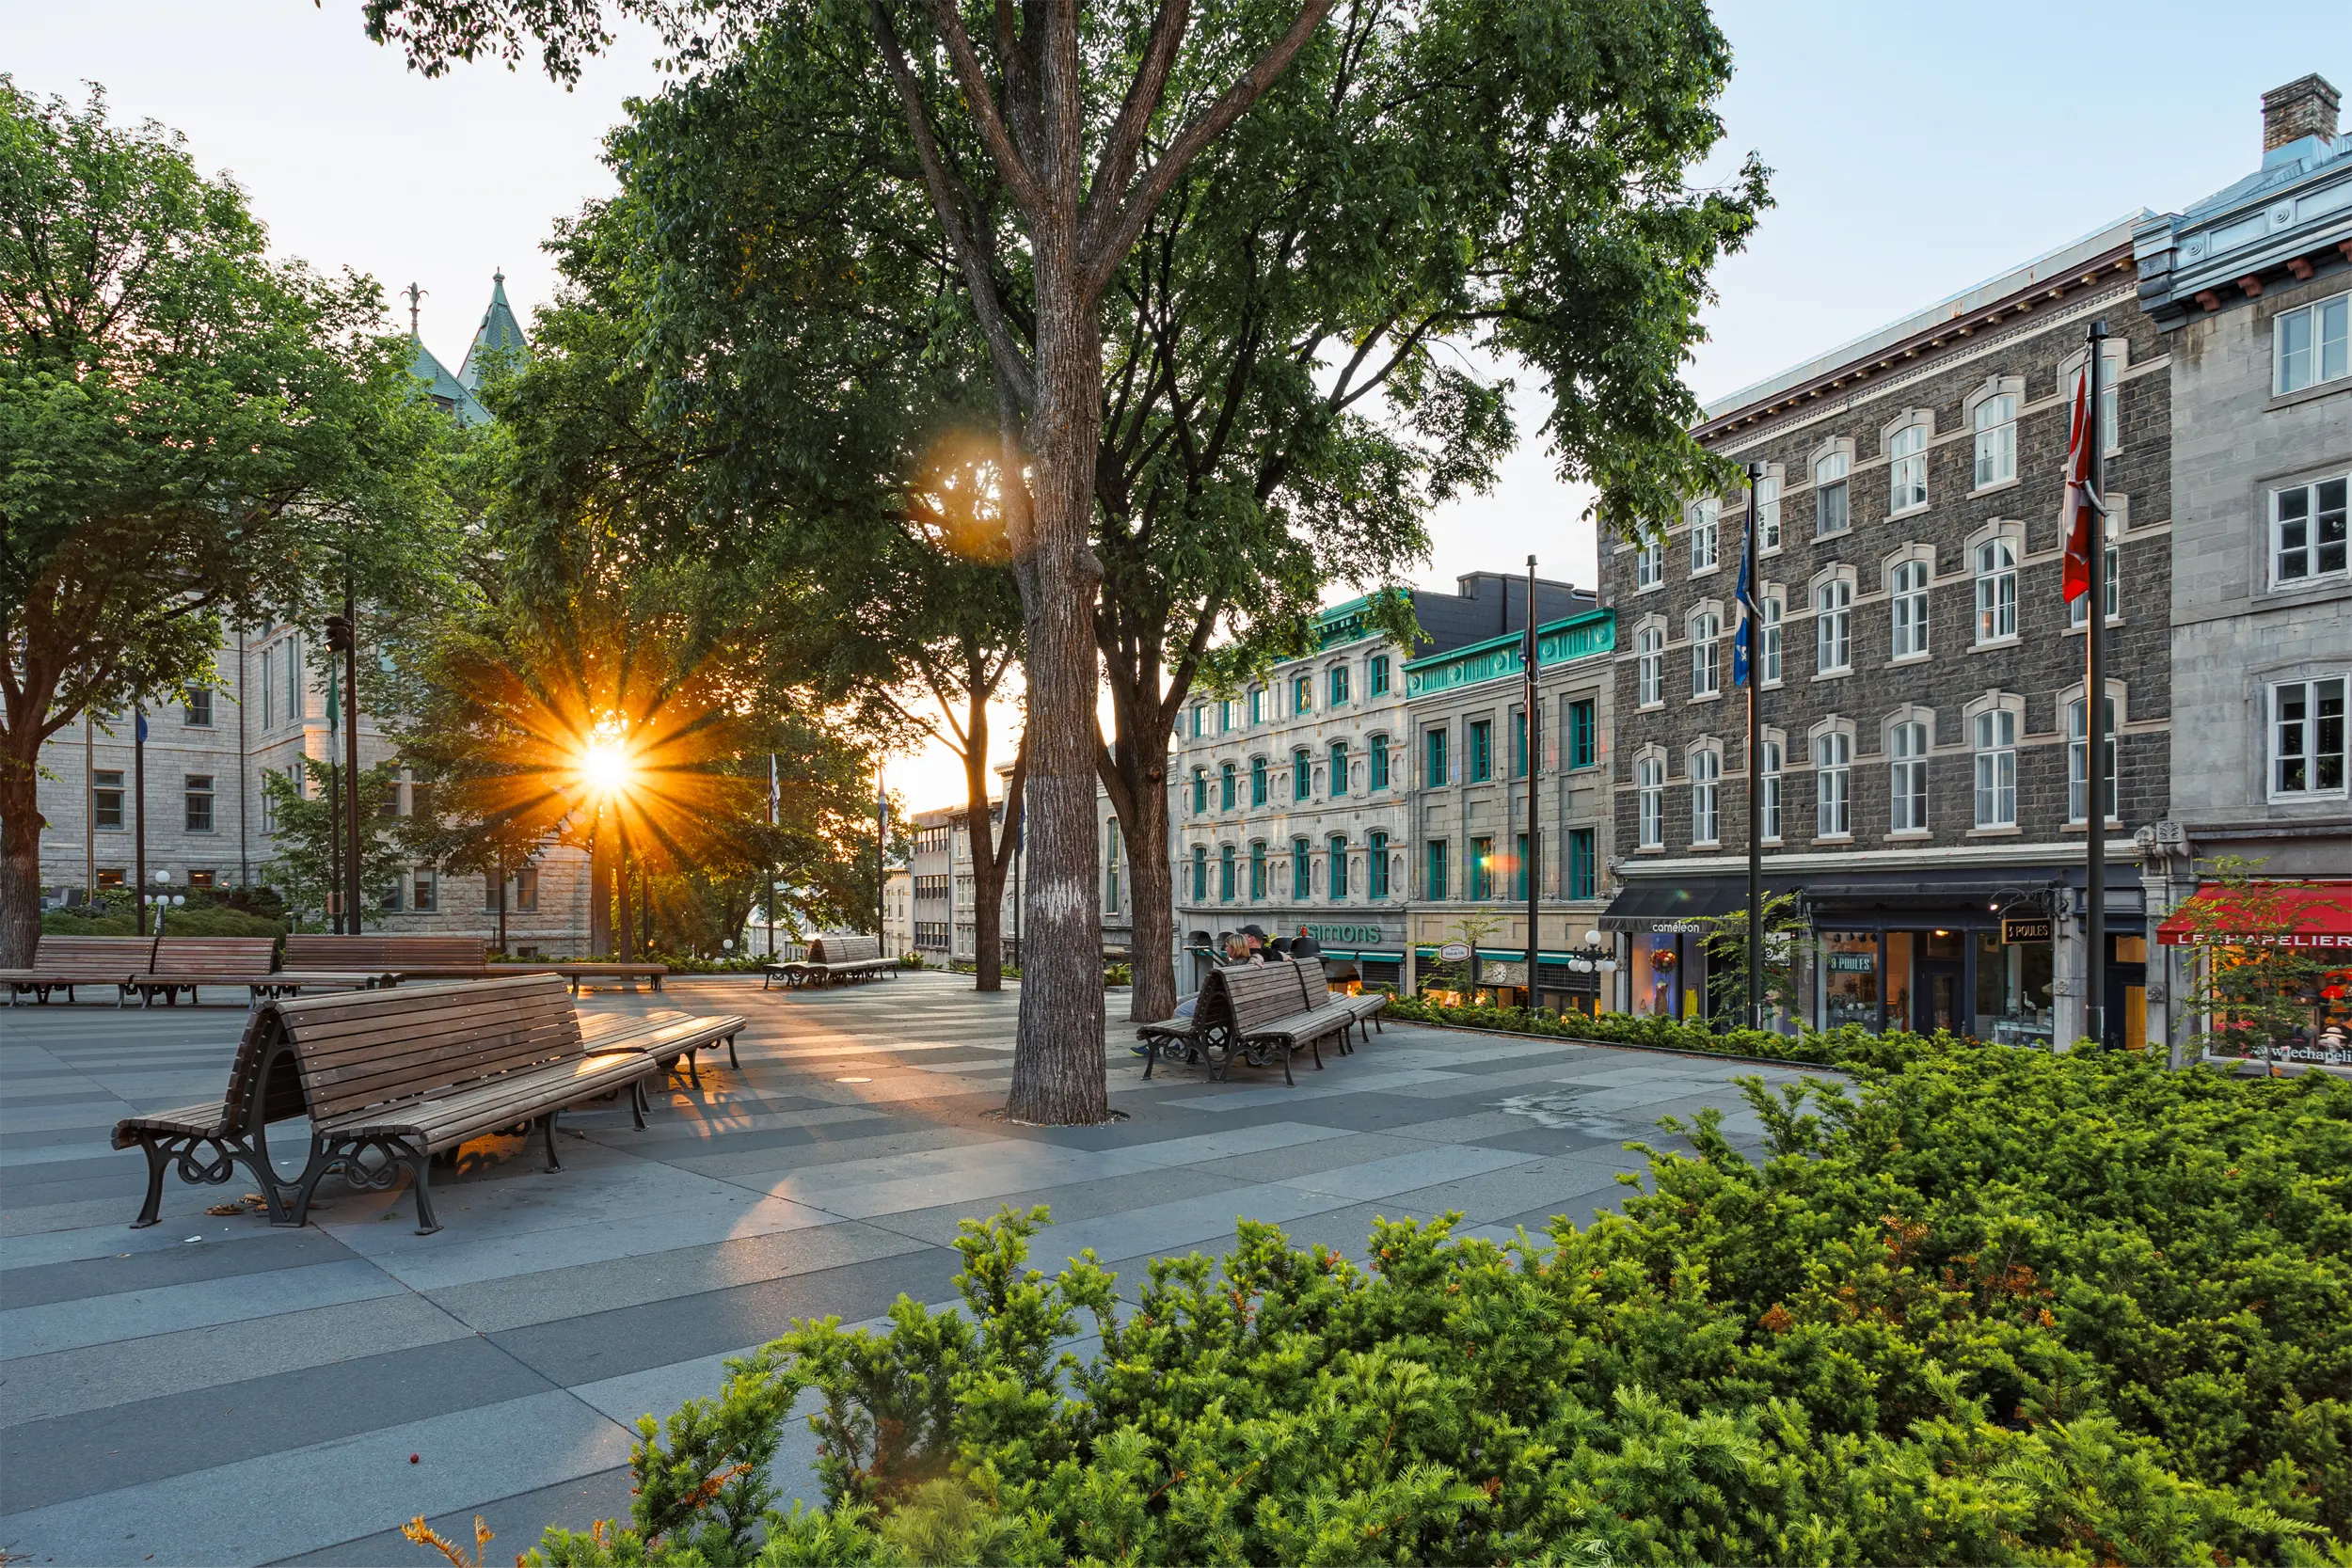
(732, 1060)
(158, 1162)
(421, 1168)
(546, 1131)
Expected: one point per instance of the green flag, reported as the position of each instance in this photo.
(334, 702)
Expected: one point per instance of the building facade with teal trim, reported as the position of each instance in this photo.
(1293, 795)
(1473, 779)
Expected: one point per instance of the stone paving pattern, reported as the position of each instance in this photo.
(211, 1390)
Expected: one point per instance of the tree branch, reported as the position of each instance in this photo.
(980, 97)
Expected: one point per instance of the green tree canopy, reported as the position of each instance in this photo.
(190, 431)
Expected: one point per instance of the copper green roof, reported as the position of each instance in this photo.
(444, 389)
(1574, 637)
(500, 334)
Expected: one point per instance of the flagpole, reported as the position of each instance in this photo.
(1756, 773)
(2095, 713)
(1529, 653)
(768, 895)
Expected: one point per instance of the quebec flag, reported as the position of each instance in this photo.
(1749, 617)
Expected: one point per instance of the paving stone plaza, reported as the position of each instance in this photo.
(211, 1390)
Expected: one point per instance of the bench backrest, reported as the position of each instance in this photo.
(359, 1049)
(844, 949)
(123, 953)
(1314, 985)
(230, 957)
(1258, 994)
(365, 952)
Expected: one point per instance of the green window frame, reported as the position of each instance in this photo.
(1228, 795)
(1518, 745)
(1225, 874)
(1199, 792)
(1377, 764)
(1339, 868)
(1302, 693)
(1582, 734)
(1200, 874)
(1302, 875)
(1339, 686)
(1257, 870)
(1518, 873)
(1378, 680)
(1339, 768)
(1376, 864)
(1302, 774)
(1434, 774)
(1256, 780)
(1436, 876)
(1481, 869)
(1482, 750)
(1580, 869)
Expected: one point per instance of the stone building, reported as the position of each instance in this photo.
(1470, 766)
(1922, 695)
(897, 912)
(2250, 291)
(1290, 798)
(207, 823)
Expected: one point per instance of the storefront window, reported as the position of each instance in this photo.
(2012, 990)
(1850, 978)
(1897, 977)
(1654, 974)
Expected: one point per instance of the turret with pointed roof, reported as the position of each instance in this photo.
(499, 334)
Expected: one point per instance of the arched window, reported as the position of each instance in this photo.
(1649, 793)
(1302, 886)
(1376, 766)
(1996, 418)
(1774, 605)
(1830, 515)
(1832, 625)
(2079, 761)
(1833, 783)
(1768, 511)
(1706, 534)
(1907, 469)
(1707, 654)
(1256, 780)
(1907, 591)
(1339, 768)
(1996, 591)
(1339, 867)
(1228, 797)
(1257, 870)
(1225, 874)
(1376, 864)
(1200, 791)
(1649, 561)
(1771, 804)
(1907, 776)
(1995, 738)
(1200, 874)
(1706, 774)
(1302, 774)
(1649, 646)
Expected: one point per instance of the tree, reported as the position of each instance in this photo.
(187, 430)
(310, 838)
(1077, 145)
(1725, 937)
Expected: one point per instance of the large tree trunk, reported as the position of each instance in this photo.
(1058, 1065)
(987, 866)
(19, 862)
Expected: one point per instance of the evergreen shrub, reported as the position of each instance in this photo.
(1981, 1306)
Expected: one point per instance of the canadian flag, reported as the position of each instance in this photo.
(2079, 516)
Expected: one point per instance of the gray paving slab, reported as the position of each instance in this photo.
(512, 1350)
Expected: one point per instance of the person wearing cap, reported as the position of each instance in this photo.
(1256, 937)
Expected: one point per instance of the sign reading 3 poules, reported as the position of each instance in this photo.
(2018, 928)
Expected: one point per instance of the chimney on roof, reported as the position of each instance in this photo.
(2304, 107)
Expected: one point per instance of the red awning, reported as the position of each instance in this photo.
(2266, 914)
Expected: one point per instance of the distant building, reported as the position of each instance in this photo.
(897, 912)
(209, 747)
(1292, 800)
(2250, 291)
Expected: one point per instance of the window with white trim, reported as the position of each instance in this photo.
(1997, 590)
(2112, 570)
(1907, 776)
(2077, 759)
(1774, 605)
(1833, 627)
(1907, 595)
(1832, 784)
(1650, 649)
(2308, 344)
(1767, 513)
(1649, 563)
(2308, 737)
(1706, 776)
(1771, 804)
(1995, 421)
(1907, 467)
(2307, 531)
(1707, 652)
(1995, 739)
(1830, 511)
(1705, 535)
(1649, 797)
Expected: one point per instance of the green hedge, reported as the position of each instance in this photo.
(1980, 1306)
(189, 921)
(1818, 1047)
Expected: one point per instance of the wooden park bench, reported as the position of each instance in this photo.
(833, 959)
(184, 964)
(61, 963)
(1315, 993)
(395, 958)
(785, 968)
(407, 1074)
(669, 1036)
(585, 969)
(211, 1138)
(1266, 1012)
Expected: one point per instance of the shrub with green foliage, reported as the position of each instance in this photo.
(1818, 1047)
(1984, 1305)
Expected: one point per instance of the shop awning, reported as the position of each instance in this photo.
(1645, 904)
(2265, 914)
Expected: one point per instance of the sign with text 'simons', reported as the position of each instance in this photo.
(2018, 928)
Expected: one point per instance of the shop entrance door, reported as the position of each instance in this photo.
(1935, 998)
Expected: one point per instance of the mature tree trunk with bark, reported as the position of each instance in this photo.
(993, 845)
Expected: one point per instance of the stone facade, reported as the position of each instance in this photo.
(2253, 291)
(1292, 797)
(1911, 581)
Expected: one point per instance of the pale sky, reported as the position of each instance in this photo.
(1915, 149)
